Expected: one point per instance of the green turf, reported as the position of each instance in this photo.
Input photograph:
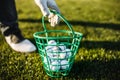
(98, 57)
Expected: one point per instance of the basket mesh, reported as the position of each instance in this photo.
(67, 39)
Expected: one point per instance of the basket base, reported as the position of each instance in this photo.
(57, 74)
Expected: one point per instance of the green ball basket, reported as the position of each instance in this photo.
(69, 38)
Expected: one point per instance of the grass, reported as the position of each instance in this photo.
(98, 57)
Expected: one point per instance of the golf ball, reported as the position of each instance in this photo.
(62, 47)
(55, 65)
(64, 64)
(68, 53)
(52, 42)
(62, 55)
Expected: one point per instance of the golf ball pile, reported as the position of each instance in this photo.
(57, 56)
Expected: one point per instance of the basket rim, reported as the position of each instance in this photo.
(37, 34)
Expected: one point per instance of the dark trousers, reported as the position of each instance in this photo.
(9, 20)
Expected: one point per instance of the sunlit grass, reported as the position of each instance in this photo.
(98, 56)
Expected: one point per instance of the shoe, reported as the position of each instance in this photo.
(23, 46)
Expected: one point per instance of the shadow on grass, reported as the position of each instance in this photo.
(31, 20)
(81, 23)
(96, 24)
(107, 45)
(97, 70)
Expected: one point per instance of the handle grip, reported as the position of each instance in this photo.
(60, 16)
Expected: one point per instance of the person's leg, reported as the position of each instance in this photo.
(9, 27)
(9, 23)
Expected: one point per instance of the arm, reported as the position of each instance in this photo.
(44, 6)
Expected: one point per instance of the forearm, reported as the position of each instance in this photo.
(52, 5)
(45, 5)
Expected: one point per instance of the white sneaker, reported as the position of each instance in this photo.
(24, 46)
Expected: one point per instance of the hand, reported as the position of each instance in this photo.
(53, 19)
(44, 6)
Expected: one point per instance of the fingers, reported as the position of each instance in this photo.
(53, 19)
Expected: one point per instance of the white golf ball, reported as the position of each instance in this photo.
(55, 49)
(48, 48)
(49, 54)
(55, 65)
(62, 55)
(52, 42)
(68, 53)
(55, 55)
(64, 64)
(62, 47)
